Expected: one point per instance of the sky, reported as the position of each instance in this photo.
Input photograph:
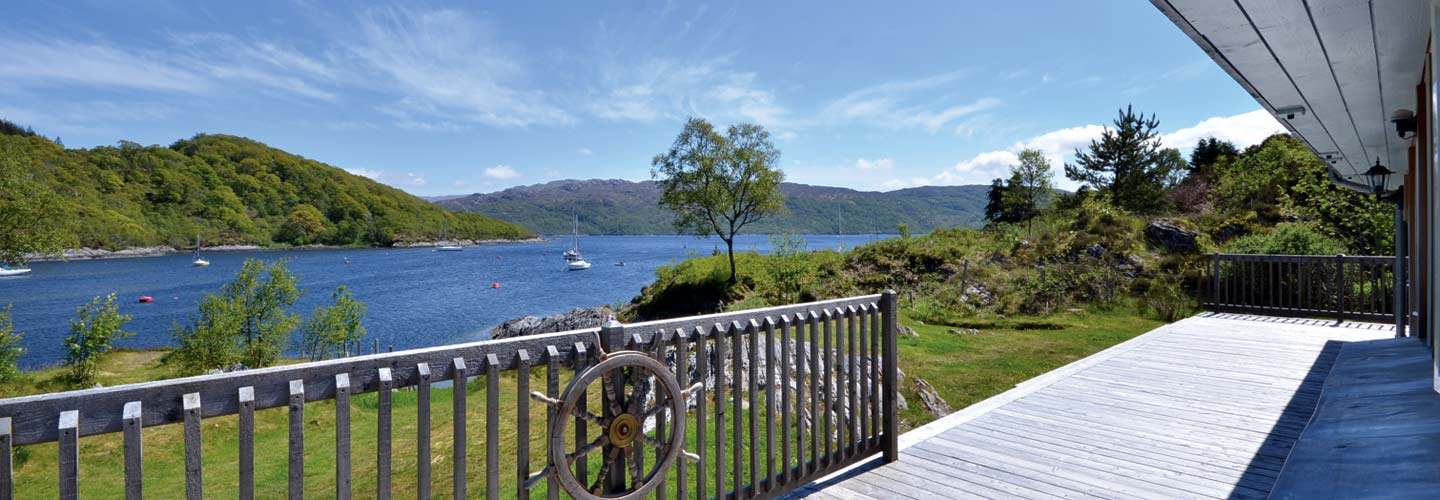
(478, 96)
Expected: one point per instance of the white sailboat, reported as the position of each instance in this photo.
(196, 261)
(444, 245)
(573, 260)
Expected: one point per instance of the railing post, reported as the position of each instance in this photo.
(1340, 291)
(891, 389)
(612, 339)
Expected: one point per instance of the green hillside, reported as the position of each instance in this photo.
(228, 190)
(613, 206)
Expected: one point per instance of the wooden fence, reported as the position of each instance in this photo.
(1340, 287)
(820, 374)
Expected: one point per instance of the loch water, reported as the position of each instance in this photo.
(416, 297)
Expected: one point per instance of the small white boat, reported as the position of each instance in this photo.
(573, 260)
(197, 261)
(5, 271)
(444, 236)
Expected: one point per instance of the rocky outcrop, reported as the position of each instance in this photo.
(576, 319)
(931, 400)
(1165, 234)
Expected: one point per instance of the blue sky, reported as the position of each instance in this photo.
(441, 98)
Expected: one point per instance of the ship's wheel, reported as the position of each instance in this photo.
(622, 422)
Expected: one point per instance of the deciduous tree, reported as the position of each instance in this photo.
(246, 323)
(97, 326)
(334, 330)
(717, 184)
(10, 349)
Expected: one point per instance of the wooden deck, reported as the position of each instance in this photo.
(1208, 407)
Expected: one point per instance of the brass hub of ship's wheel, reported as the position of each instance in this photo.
(642, 413)
(623, 430)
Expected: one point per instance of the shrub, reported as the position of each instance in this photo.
(245, 324)
(334, 330)
(1165, 299)
(91, 336)
(1291, 238)
(10, 349)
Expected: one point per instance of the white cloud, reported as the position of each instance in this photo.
(415, 180)
(670, 89)
(194, 63)
(1058, 146)
(878, 164)
(887, 105)
(34, 62)
(1243, 130)
(584, 152)
(893, 184)
(452, 66)
(501, 172)
(977, 170)
(459, 184)
(371, 174)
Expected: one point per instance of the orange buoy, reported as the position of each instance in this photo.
(495, 285)
(146, 299)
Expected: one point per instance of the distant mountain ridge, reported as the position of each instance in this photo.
(616, 206)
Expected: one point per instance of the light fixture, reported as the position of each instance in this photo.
(1404, 121)
(1290, 112)
(1378, 176)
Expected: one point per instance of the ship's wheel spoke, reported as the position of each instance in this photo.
(590, 417)
(605, 469)
(610, 397)
(635, 472)
(585, 450)
(653, 411)
(658, 444)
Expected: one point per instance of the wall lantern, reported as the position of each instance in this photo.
(1378, 176)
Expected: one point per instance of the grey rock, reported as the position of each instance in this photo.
(1165, 234)
(906, 331)
(532, 325)
(931, 400)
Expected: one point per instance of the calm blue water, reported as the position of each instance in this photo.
(416, 297)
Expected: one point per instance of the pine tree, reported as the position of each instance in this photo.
(1124, 163)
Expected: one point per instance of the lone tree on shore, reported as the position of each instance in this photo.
(717, 184)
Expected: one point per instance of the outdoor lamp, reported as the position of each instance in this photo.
(1378, 176)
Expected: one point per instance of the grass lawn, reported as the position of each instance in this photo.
(964, 368)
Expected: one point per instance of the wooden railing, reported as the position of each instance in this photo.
(831, 392)
(1340, 287)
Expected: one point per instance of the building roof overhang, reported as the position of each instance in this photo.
(1332, 71)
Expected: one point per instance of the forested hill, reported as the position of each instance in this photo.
(226, 189)
(612, 206)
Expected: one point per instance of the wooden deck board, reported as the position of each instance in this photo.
(1208, 407)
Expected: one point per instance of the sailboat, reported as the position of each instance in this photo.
(573, 260)
(196, 261)
(6, 271)
(444, 245)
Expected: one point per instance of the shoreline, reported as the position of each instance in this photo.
(73, 254)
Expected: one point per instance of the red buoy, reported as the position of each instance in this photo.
(146, 299)
(495, 285)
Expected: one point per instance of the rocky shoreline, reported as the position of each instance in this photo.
(162, 250)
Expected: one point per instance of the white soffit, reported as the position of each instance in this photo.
(1348, 63)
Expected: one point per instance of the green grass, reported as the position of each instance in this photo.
(963, 368)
